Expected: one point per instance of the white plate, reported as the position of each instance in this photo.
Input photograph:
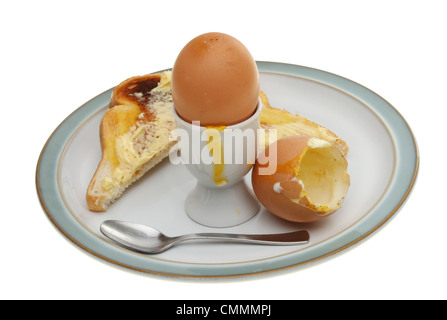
(383, 164)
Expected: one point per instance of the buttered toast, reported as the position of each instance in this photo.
(135, 134)
(281, 123)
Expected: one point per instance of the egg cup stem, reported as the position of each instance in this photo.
(223, 207)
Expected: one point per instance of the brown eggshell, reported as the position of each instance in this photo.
(215, 80)
(288, 153)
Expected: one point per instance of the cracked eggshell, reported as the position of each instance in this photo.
(310, 181)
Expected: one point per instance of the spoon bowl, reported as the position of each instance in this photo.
(146, 239)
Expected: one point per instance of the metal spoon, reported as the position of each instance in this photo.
(142, 238)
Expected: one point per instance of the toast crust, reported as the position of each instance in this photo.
(135, 90)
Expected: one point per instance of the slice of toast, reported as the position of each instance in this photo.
(135, 134)
(281, 123)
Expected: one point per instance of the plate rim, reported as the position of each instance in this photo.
(387, 113)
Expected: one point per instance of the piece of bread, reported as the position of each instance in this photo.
(135, 134)
(284, 124)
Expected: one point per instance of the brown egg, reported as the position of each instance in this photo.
(215, 80)
(310, 181)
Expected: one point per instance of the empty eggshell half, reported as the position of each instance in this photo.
(301, 178)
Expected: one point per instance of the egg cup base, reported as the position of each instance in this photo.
(221, 207)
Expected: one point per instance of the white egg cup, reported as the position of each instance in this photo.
(216, 204)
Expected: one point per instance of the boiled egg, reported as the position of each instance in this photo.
(215, 80)
(301, 178)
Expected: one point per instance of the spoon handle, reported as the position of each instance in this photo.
(290, 238)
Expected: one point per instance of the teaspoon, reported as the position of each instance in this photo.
(145, 239)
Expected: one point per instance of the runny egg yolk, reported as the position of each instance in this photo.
(215, 147)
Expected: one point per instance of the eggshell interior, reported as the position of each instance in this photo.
(310, 181)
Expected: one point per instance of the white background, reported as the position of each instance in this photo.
(56, 55)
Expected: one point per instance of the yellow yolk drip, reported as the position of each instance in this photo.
(215, 147)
